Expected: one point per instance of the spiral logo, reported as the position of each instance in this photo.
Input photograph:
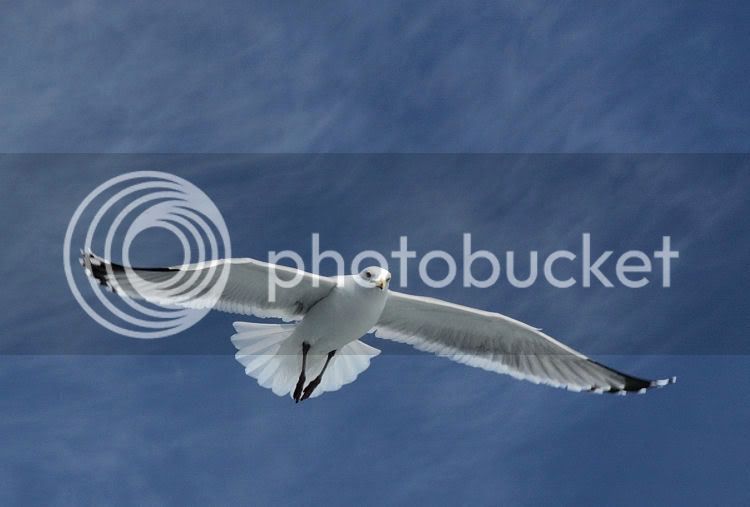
(157, 303)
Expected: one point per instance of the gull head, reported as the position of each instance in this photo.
(375, 276)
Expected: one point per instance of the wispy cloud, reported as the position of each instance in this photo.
(84, 76)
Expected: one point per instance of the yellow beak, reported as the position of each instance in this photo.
(380, 283)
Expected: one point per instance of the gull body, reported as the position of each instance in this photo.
(350, 310)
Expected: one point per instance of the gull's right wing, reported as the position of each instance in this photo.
(244, 286)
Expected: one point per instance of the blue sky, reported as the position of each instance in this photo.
(90, 416)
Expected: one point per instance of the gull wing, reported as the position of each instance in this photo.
(240, 286)
(498, 343)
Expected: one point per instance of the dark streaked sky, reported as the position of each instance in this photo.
(433, 76)
(177, 421)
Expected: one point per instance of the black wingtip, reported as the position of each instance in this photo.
(98, 268)
(104, 271)
(633, 384)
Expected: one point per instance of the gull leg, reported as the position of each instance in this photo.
(301, 381)
(312, 385)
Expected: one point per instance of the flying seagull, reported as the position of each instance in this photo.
(324, 318)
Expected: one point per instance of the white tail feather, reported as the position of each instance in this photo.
(345, 367)
(260, 352)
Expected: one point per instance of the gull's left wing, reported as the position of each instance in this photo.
(498, 343)
(244, 286)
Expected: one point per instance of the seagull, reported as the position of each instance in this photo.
(323, 319)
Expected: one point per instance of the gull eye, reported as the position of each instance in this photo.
(368, 274)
